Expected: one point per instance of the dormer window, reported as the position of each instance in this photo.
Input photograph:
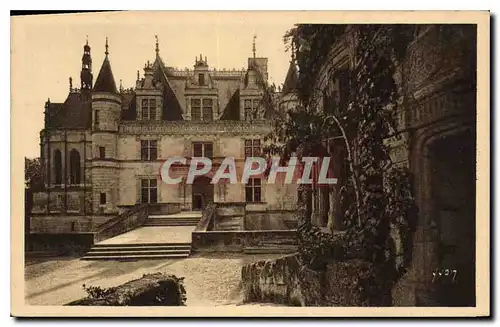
(148, 109)
(201, 79)
(202, 109)
(251, 108)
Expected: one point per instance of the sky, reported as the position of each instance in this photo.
(46, 50)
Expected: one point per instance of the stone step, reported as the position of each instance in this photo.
(136, 257)
(141, 248)
(265, 249)
(175, 219)
(170, 223)
(185, 216)
(149, 245)
(229, 224)
(122, 253)
(229, 228)
(138, 251)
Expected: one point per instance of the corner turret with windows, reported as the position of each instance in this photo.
(106, 112)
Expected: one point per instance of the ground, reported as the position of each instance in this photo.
(210, 279)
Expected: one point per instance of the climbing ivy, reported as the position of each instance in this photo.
(378, 193)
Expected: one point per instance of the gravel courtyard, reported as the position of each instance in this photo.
(210, 279)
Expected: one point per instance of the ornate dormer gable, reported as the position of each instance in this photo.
(148, 82)
(254, 87)
(201, 93)
(149, 95)
(251, 81)
(201, 77)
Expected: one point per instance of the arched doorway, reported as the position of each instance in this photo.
(202, 192)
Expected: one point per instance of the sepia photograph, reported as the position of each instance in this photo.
(251, 164)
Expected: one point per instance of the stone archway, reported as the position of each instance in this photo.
(452, 206)
(443, 163)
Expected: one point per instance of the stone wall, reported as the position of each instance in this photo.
(270, 220)
(286, 281)
(66, 224)
(237, 241)
(71, 201)
(63, 243)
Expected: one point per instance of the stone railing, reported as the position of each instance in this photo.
(122, 223)
(207, 218)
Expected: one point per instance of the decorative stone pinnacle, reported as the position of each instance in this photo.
(253, 47)
(157, 45)
(106, 52)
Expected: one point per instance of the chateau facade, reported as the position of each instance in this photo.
(103, 147)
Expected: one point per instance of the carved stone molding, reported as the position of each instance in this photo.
(229, 128)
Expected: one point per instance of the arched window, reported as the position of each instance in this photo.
(58, 167)
(74, 163)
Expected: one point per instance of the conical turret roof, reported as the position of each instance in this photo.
(105, 81)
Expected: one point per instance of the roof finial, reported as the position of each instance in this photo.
(70, 84)
(121, 86)
(157, 45)
(138, 74)
(106, 52)
(86, 39)
(253, 48)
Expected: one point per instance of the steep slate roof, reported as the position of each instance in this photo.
(172, 109)
(74, 113)
(129, 111)
(232, 110)
(291, 80)
(105, 81)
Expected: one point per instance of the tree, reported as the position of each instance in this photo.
(33, 173)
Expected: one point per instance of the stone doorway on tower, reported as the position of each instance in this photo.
(203, 192)
(452, 169)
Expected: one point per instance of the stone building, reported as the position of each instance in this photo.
(436, 118)
(102, 148)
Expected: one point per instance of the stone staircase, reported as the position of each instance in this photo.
(161, 237)
(190, 218)
(127, 252)
(229, 223)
